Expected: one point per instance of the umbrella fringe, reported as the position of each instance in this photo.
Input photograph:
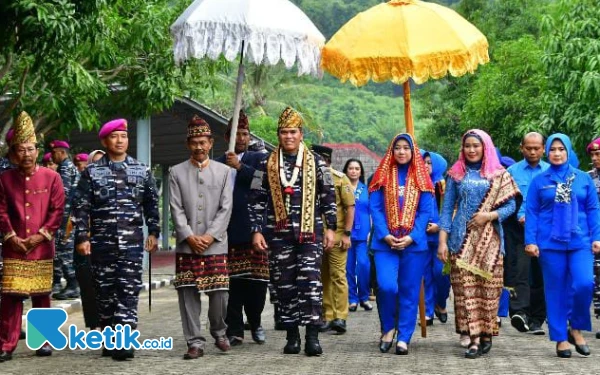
(398, 70)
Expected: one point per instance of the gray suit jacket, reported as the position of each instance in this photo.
(201, 202)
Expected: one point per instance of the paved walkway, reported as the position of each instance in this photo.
(353, 353)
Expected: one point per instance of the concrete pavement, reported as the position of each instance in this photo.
(353, 353)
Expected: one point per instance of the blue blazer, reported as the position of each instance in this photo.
(418, 234)
(238, 230)
(362, 220)
(540, 203)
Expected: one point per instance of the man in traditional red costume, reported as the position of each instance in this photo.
(32, 201)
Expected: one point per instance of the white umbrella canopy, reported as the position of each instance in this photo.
(263, 31)
(272, 30)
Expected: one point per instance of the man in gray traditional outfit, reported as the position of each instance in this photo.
(201, 202)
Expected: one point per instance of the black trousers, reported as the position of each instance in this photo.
(523, 274)
(247, 296)
(87, 289)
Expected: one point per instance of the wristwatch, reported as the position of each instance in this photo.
(347, 233)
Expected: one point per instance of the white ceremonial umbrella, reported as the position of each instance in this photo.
(262, 31)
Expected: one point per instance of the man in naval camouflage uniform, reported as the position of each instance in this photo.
(287, 205)
(113, 196)
(63, 258)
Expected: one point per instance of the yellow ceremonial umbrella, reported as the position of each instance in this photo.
(404, 39)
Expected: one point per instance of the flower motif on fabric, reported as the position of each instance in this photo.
(563, 190)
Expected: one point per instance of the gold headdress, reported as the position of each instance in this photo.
(290, 118)
(24, 130)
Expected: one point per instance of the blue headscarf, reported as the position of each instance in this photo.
(565, 209)
(438, 165)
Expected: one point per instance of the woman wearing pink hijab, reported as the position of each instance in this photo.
(483, 194)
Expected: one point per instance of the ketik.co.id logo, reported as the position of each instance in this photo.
(43, 326)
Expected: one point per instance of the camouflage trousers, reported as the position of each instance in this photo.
(295, 270)
(118, 281)
(63, 259)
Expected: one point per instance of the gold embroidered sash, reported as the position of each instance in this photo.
(307, 212)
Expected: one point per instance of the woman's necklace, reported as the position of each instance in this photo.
(289, 185)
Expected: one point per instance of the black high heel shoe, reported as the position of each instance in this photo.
(566, 353)
(401, 350)
(443, 317)
(385, 346)
(582, 349)
(486, 346)
(474, 351)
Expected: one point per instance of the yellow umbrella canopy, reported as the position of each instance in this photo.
(404, 39)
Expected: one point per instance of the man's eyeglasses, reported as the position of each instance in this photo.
(25, 151)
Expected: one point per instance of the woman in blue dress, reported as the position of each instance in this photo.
(480, 194)
(400, 204)
(563, 230)
(358, 265)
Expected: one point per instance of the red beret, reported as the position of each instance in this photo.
(594, 145)
(47, 157)
(59, 144)
(113, 126)
(81, 157)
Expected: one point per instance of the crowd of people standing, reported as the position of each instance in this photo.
(523, 238)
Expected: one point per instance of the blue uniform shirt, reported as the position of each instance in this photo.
(538, 222)
(523, 174)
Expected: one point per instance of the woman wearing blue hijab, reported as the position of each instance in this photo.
(562, 229)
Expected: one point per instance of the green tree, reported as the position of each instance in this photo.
(572, 60)
(70, 62)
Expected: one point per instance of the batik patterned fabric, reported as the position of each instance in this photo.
(207, 273)
(596, 178)
(27, 277)
(248, 263)
(476, 299)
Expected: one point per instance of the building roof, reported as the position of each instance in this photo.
(344, 151)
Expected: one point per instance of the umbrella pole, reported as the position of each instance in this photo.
(408, 120)
(422, 310)
(237, 104)
(410, 129)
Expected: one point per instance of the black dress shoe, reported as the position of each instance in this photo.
(566, 353)
(247, 326)
(5, 356)
(353, 307)
(582, 349)
(22, 336)
(366, 305)
(44, 351)
(486, 346)
(401, 350)
(473, 352)
(235, 341)
(106, 352)
(339, 325)
(259, 336)
(428, 322)
(384, 346)
(442, 317)
(325, 327)
(598, 335)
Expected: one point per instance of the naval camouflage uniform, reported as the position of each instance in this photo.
(295, 262)
(111, 201)
(63, 258)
